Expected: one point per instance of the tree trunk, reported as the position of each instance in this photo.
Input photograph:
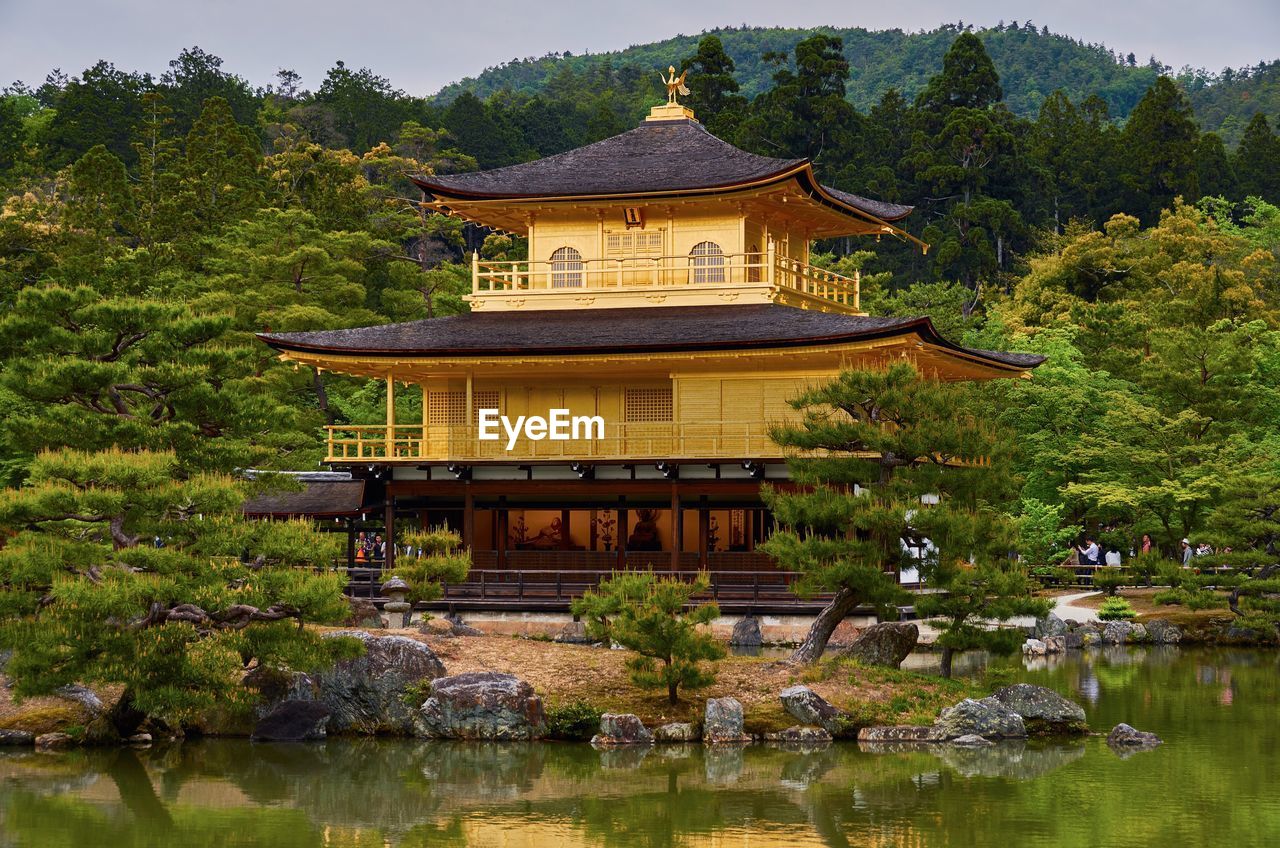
(823, 626)
(673, 693)
(322, 397)
(124, 717)
(946, 662)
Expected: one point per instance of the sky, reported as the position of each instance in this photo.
(423, 45)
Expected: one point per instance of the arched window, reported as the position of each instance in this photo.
(566, 268)
(708, 262)
(754, 261)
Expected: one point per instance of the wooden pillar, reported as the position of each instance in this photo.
(391, 414)
(351, 541)
(469, 518)
(704, 531)
(677, 528)
(623, 532)
(564, 529)
(500, 543)
(749, 534)
(389, 527)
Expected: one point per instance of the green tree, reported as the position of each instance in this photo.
(651, 615)
(1159, 144)
(1257, 160)
(121, 570)
(886, 443)
(713, 91)
(220, 176)
(968, 80)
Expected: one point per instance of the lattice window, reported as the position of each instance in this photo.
(566, 268)
(708, 262)
(644, 243)
(639, 405)
(450, 407)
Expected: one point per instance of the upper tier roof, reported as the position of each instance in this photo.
(655, 158)
(623, 330)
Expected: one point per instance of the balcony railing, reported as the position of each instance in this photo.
(638, 440)
(645, 273)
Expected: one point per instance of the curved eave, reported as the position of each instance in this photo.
(922, 327)
(802, 173)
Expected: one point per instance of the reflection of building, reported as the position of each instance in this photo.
(668, 291)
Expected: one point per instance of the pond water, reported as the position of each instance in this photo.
(1215, 781)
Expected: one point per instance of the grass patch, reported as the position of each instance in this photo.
(44, 719)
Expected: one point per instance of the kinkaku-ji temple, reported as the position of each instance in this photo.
(668, 293)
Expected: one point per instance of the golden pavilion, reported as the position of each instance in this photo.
(669, 307)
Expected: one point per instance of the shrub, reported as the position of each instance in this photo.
(1111, 579)
(576, 721)
(1115, 609)
(1191, 597)
(647, 614)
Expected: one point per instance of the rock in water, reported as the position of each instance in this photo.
(887, 643)
(366, 695)
(800, 737)
(1126, 736)
(54, 741)
(723, 722)
(482, 705)
(1116, 632)
(1050, 625)
(293, 721)
(1034, 648)
(899, 733)
(1163, 633)
(988, 718)
(808, 707)
(1055, 644)
(972, 741)
(746, 633)
(1043, 711)
(17, 737)
(676, 731)
(621, 729)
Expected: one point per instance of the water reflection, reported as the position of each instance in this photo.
(352, 794)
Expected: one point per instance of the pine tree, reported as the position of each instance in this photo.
(220, 176)
(713, 90)
(118, 569)
(1257, 160)
(1214, 174)
(886, 442)
(651, 615)
(1159, 144)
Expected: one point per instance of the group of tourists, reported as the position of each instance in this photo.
(370, 549)
(1089, 552)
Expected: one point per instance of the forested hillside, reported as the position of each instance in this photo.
(1032, 63)
(150, 226)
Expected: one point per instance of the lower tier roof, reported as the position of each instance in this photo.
(622, 330)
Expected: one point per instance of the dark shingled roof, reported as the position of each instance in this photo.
(641, 329)
(657, 156)
(335, 498)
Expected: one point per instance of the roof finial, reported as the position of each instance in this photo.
(675, 85)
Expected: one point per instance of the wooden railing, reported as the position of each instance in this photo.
(634, 440)
(649, 272)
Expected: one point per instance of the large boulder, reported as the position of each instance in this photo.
(1034, 648)
(988, 718)
(1127, 736)
(723, 722)
(1055, 644)
(363, 613)
(54, 741)
(366, 695)
(573, 633)
(293, 721)
(808, 707)
(1162, 632)
(746, 633)
(1050, 625)
(621, 729)
(481, 705)
(1116, 632)
(1043, 711)
(887, 643)
(800, 737)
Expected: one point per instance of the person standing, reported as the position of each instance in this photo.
(1187, 553)
(1145, 547)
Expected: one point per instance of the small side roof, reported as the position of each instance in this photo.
(321, 499)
